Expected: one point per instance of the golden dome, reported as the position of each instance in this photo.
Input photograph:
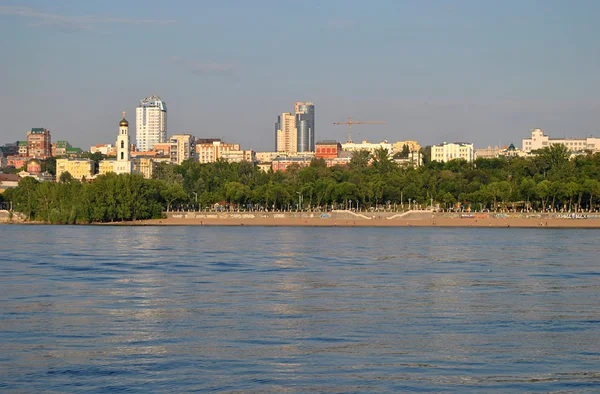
(124, 123)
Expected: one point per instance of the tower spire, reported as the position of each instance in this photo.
(124, 113)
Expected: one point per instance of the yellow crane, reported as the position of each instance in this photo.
(350, 122)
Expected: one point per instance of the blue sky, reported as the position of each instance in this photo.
(484, 71)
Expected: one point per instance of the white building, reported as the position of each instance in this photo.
(539, 140)
(454, 150)
(123, 163)
(368, 146)
(151, 123)
(105, 149)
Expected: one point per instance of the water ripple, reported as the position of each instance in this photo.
(182, 309)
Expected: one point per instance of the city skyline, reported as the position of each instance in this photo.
(466, 71)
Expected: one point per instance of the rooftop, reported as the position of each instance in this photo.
(154, 101)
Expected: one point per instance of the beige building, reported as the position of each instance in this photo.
(487, 153)
(454, 150)
(266, 157)
(236, 156)
(163, 149)
(211, 150)
(286, 133)
(78, 168)
(413, 146)
(144, 166)
(183, 147)
(539, 140)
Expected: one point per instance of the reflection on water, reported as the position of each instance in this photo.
(298, 309)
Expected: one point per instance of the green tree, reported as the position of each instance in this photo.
(65, 177)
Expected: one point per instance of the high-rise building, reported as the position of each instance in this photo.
(39, 143)
(305, 126)
(151, 123)
(286, 136)
(183, 147)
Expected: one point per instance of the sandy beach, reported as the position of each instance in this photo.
(437, 222)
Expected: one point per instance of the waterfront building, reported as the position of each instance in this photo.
(122, 164)
(328, 149)
(209, 150)
(182, 147)
(539, 140)
(266, 157)
(451, 151)
(8, 181)
(367, 146)
(286, 134)
(488, 153)
(144, 166)
(39, 143)
(282, 163)
(414, 159)
(505, 151)
(78, 168)
(305, 126)
(151, 123)
(236, 156)
(338, 161)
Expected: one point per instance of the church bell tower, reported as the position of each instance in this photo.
(123, 140)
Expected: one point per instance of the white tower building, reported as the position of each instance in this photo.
(123, 164)
(151, 123)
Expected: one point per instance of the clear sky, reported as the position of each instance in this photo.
(483, 71)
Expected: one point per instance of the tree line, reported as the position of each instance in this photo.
(548, 181)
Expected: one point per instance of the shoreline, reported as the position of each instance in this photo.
(330, 222)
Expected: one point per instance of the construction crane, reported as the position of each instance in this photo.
(350, 122)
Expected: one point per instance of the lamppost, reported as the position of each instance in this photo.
(402, 199)
(195, 200)
(299, 200)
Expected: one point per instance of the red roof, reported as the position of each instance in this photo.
(9, 178)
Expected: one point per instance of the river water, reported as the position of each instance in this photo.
(250, 309)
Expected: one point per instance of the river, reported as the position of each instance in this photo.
(253, 309)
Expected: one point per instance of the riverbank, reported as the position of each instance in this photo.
(359, 222)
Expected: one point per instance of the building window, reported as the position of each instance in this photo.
(122, 155)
